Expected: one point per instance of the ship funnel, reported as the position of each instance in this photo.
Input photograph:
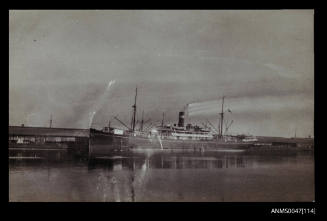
(181, 119)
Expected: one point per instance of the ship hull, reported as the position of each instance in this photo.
(136, 142)
(102, 144)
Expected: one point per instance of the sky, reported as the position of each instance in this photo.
(61, 63)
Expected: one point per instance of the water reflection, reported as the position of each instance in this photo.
(166, 176)
(208, 160)
(167, 160)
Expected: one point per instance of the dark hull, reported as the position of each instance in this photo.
(102, 144)
(148, 143)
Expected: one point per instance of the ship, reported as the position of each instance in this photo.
(178, 136)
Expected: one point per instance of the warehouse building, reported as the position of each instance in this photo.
(32, 141)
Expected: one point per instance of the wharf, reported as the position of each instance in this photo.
(42, 142)
(59, 143)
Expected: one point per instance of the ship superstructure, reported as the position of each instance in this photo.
(181, 132)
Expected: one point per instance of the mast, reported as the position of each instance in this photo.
(163, 118)
(142, 122)
(134, 111)
(222, 118)
(218, 126)
(50, 120)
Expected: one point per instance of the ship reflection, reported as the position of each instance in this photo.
(168, 162)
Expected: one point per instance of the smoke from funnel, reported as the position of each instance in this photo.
(203, 108)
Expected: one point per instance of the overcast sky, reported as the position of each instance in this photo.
(60, 63)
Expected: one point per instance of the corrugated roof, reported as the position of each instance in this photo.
(47, 131)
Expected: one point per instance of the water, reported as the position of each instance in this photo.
(225, 176)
